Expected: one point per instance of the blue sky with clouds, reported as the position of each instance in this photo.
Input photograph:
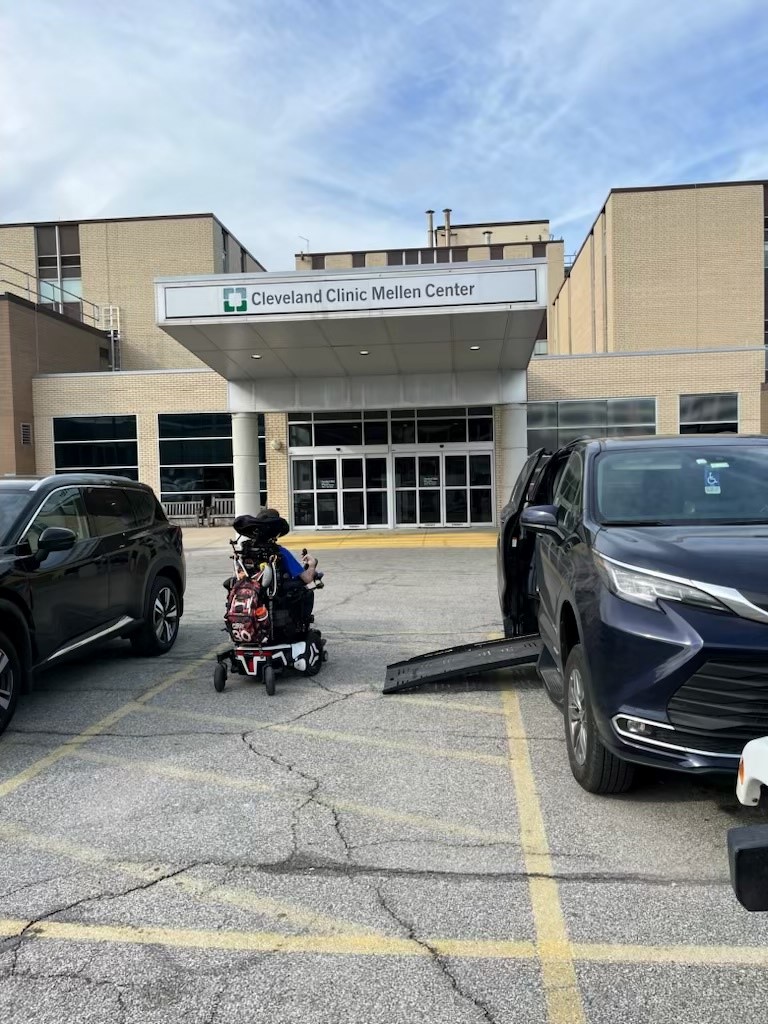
(343, 120)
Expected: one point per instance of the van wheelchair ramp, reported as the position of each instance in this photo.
(466, 660)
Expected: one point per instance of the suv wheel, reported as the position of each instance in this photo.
(594, 767)
(160, 628)
(10, 680)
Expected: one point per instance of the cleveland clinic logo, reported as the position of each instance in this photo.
(235, 300)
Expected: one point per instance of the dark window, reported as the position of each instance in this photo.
(303, 475)
(318, 262)
(442, 431)
(358, 259)
(568, 493)
(497, 252)
(96, 456)
(94, 428)
(63, 509)
(338, 434)
(554, 424)
(460, 254)
(481, 429)
(58, 268)
(300, 435)
(376, 433)
(411, 257)
(395, 258)
(376, 473)
(178, 481)
(442, 255)
(539, 248)
(403, 431)
(145, 507)
(196, 455)
(427, 255)
(480, 410)
(705, 414)
(204, 424)
(109, 509)
(196, 452)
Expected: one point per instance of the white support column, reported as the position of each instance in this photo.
(512, 445)
(245, 462)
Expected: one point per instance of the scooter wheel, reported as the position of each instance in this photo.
(269, 680)
(219, 677)
(313, 637)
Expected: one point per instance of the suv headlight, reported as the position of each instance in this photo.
(647, 589)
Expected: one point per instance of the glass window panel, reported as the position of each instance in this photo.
(566, 436)
(405, 471)
(300, 435)
(352, 507)
(206, 479)
(546, 439)
(394, 259)
(403, 432)
(709, 428)
(376, 504)
(336, 417)
(203, 424)
(405, 507)
(480, 410)
(70, 261)
(131, 472)
(262, 450)
(427, 255)
(442, 431)
(439, 414)
(429, 506)
(63, 509)
(591, 413)
(630, 431)
(456, 506)
(460, 254)
(303, 509)
(358, 259)
(631, 410)
(708, 408)
(442, 255)
(299, 417)
(303, 475)
(94, 428)
(109, 509)
(376, 433)
(480, 506)
(195, 452)
(95, 456)
(429, 471)
(327, 509)
(351, 473)
(69, 239)
(455, 471)
(326, 475)
(380, 414)
(403, 414)
(376, 473)
(479, 470)
(481, 429)
(46, 240)
(145, 507)
(411, 257)
(338, 434)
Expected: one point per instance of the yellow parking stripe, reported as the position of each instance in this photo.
(561, 990)
(449, 704)
(331, 800)
(67, 748)
(688, 956)
(329, 735)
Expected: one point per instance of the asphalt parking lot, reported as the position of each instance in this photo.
(332, 854)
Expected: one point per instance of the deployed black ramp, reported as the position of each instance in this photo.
(467, 660)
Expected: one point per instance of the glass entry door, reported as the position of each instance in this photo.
(341, 491)
(443, 489)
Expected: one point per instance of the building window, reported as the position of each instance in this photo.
(411, 257)
(58, 268)
(496, 252)
(427, 255)
(196, 456)
(318, 262)
(358, 259)
(401, 427)
(442, 255)
(395, 258)
(709, 414)
(460, 254)
(541, 347)
(96, 444)
(539, 248)
(554, 424)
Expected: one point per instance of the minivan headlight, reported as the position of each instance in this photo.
(645, 589)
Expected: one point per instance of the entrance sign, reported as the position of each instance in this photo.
(308, 294)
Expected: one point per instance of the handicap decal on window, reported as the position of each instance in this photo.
(711, 482)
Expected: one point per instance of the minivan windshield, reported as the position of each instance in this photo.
(667, 485)
(11, 506)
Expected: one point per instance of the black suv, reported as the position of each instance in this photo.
(82, 558)
(643, 564)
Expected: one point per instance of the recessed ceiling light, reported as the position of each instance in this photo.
(364, 352)
(255, 356)
(474, 348)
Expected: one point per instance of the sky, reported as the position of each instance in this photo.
(341, 121)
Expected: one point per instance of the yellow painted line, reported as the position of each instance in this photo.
(561, 989)
(274, 942)
(337, 803)
(203, 891)
(449, 704)
(688, 956)
(330, 735)
(67, 748)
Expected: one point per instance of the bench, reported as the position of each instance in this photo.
(190, 512)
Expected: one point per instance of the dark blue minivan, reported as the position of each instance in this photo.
(643, 564)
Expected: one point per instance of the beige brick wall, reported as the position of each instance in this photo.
(278, 488)
(562, 320)
(114, 394)
(120, 259)
(375, 259)
(664, 377)
(581, 302)
(17, 248)
(598, 285)
(339, 261)
(7, 417)
(518, 252)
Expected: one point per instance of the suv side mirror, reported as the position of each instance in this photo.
(55, 538)
(541, 519)
(748, 857)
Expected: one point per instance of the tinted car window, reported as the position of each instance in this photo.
(63, 508)
(713, 483)
(110, 510)
(568, 493)
(144, 507)
(11, 506)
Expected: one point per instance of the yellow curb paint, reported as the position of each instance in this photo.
(70, 746)
(330, 736)
(561, 989)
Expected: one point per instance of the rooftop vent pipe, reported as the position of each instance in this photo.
(430, 229)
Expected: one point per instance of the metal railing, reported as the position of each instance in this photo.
(27, 286)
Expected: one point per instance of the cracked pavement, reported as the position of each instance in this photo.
(193, 819)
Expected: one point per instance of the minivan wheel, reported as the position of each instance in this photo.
(10, 680)
(593, 766)
(160, 628)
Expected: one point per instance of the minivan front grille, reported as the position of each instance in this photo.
(723, 705)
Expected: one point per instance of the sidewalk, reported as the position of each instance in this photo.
(205, 538)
